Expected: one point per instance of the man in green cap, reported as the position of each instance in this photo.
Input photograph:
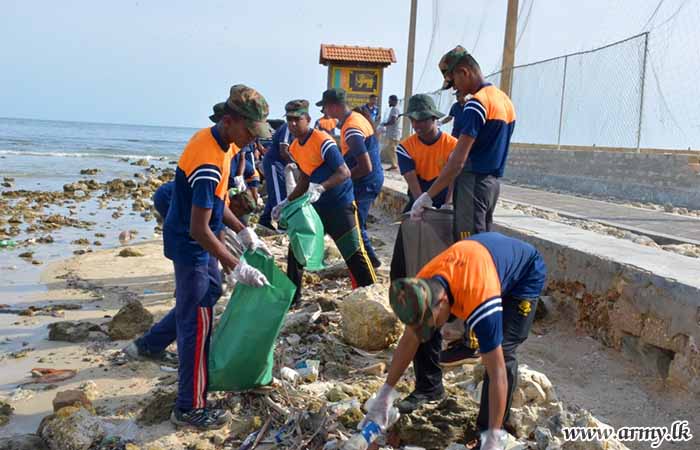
(490, 281)
(360, 149)
(479, 158)
(195, 216)
(326, 178)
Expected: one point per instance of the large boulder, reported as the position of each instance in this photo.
(71, 331)
(71, 428)
(368, 321)
(6, 411)
(131, 321)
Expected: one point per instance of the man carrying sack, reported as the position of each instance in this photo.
(326, 178)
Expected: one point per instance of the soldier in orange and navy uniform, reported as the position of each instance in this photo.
(479, 158)
(493, 283)
(360, 149)
(326, 178)
(327, 124)
(196, 214)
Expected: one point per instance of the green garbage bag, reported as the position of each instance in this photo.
(243, 343)
(305, 231)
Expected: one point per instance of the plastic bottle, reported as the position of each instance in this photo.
(370, 433)
(360, 441)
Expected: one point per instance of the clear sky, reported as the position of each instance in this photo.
(166, 62)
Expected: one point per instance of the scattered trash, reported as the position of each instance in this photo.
(290, 375)
(47, 375)
(308, 369)
(5, 243)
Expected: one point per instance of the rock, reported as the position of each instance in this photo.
(90, 390)
(533, 388)
(22, 442)
(71, 428)
(81, 241)
(159, 407)
(89, 171)
(544, 439)
(5, 412)
(143, 162)
(71, 398)
(70, 331)
(367, 319)
(130, 252)
(351, 418)
(434, 427)
(26, 255)
(132, 320)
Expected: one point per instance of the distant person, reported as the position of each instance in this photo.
(456, 114)
(244, 174)
(325, 176)
(195, 216)
(392, 133)
(372, 108)
(327, 124)
(274, 161)
(360, 148)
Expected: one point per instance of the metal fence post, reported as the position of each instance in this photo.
(561, 104)
(641, 94)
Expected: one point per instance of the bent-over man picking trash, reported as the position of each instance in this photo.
(492, 282)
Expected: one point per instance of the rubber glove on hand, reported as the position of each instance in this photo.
(315, 190)
(494, 439)
(252, 242)
(378, 410)
(422, 202)
(447, 206)
(239, 183)
(277, 210)
(249, 275)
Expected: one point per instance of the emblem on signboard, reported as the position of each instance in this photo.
(363, 81)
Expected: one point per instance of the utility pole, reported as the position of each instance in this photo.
(509, 47)
(410, 58)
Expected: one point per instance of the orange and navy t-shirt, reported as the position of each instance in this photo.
(427, 159)
(201, 179)
(318, 157)
(489, 117)
(482, 272)
(357, 137)
(327, 124)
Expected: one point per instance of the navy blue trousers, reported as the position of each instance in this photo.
(197, 289)
(274, 184)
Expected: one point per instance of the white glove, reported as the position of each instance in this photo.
(249, 275)
(446, 206)
(277, 210)
(251, 241)
(239, 183)
(494, 439)
(379, 408)
(422, 202)
(315, 190)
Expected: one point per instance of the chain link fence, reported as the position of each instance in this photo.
(590, 98)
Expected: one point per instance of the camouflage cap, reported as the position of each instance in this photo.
(243, 200)
(411, 300)
(449, 61)
(296, 108)
(252, 106)
(422, 107)
(333, 95)
(219, 111)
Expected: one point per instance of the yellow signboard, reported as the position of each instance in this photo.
(359, 82)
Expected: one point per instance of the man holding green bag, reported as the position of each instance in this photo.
(196, 215)
(326, 179)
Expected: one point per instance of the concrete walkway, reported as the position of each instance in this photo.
(663, 227)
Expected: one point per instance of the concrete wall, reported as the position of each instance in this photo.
(652, 176)
(640, 300)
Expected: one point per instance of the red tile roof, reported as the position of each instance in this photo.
(352, 53)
